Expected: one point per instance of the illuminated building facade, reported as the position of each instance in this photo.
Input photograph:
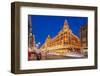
(65, 41)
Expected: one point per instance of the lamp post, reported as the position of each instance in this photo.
(38, 53)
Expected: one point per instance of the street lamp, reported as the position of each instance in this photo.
(38, 52)
(38, 44)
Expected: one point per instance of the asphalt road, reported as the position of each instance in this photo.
(51, 57)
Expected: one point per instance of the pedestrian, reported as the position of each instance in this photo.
(38, 56)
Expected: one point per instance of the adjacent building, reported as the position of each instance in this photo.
(31, 40)
(84, 37)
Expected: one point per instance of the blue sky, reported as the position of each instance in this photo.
(42, 26)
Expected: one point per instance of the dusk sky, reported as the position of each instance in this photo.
(42, 26)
